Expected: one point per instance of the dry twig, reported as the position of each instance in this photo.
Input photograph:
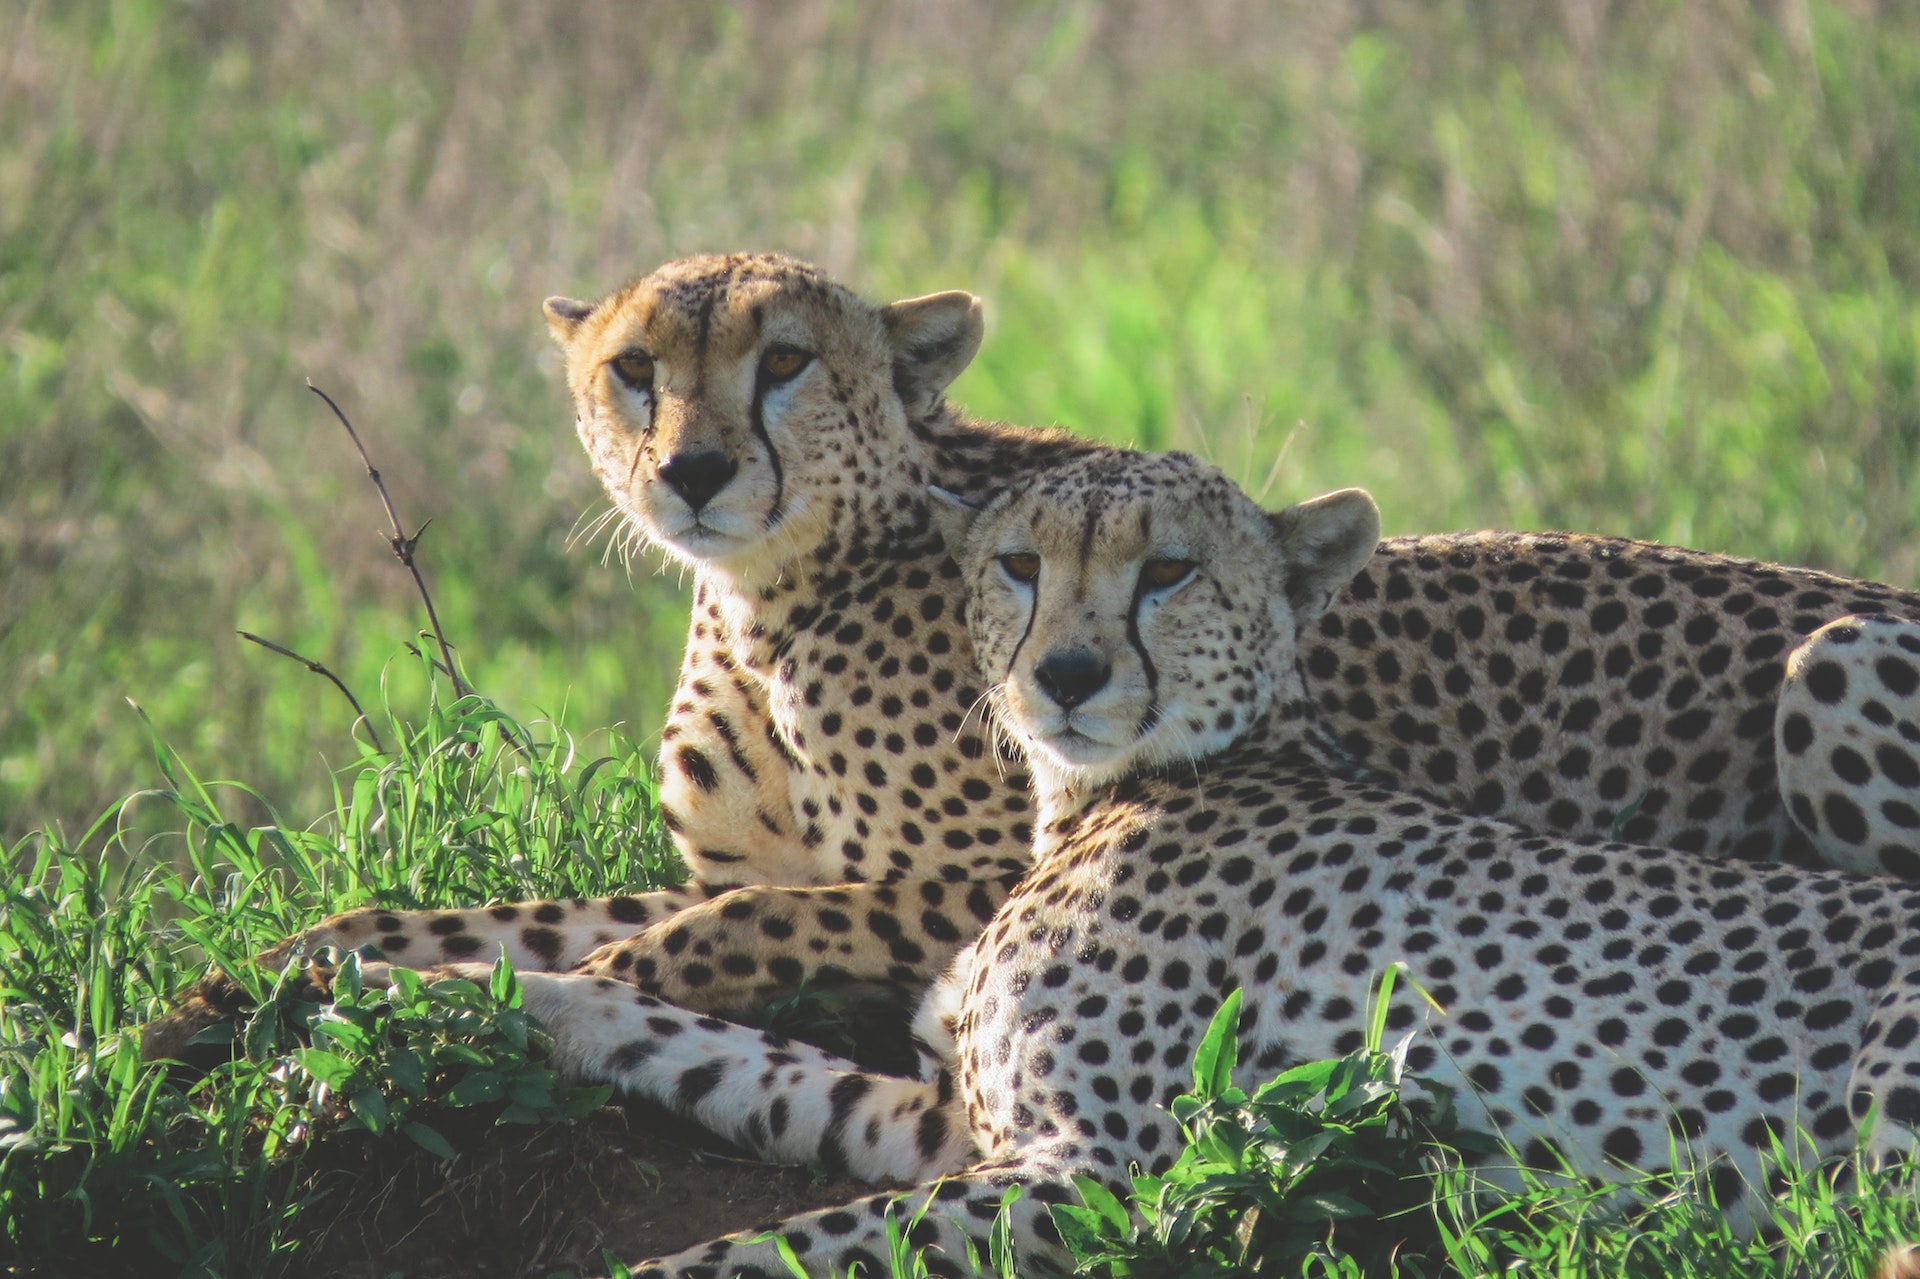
(402, 544)
(319, 669)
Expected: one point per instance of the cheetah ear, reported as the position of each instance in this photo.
(565, 316)
(933, 338)
(954, 515)
(1323, 544)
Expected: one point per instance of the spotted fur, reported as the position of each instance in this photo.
(1602, 1002)
(1848, 735)
(1583, 685)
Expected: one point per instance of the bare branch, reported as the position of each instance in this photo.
(319, 669)
(401, 544)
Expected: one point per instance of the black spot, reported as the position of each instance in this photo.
(544, 942)
(1844, 817)
(696, 1083)
(1796, 733)
(1827, 681)
(698, 769)
(1622, 1144)
(1898, 675)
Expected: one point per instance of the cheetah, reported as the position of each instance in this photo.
(1139, 621)
(825, 774)
(841, 815)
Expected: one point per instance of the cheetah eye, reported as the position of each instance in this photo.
(635, 369)
(1158, 575)
(1021, 567)
(783, 363)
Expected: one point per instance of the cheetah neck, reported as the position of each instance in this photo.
(879, 532)
(1288, 728)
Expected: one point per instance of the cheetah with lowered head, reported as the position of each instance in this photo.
(1139, 620)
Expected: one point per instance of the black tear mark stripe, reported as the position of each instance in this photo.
(1033, 608)
(1152, 716)
(761, 385)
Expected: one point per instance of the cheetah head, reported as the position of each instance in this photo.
(1135, 610)
(735, 408)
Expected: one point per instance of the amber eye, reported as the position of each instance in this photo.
(635, 369)
(1157, 575)
(1022, 567)
(783, 362)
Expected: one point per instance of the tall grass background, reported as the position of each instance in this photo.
(1622, 265)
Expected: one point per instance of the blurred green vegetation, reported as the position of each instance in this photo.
(1634, 266)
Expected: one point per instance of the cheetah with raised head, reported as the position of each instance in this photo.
(825, 771)
(1138, 619)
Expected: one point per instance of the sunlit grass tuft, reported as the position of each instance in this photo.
(101, 1153)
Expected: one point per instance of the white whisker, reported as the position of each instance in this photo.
(579, 534)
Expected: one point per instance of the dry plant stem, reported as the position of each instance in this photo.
(319, 669)
(403, 545)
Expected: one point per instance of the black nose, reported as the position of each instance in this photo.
(698, 476)
(1072, 677)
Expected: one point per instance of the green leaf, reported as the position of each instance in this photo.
(1000, 1249)
(1103, 1201)
(536, 1093)
(348, 982)
(476, 1089)
(350, 1035)
(502, 983)
(583, 1100)
(1079, 1230)
(1328, 1206)
(461, 1055)
(263, 1031)
(404, 985)
(428, 1140)
(219, 1032)
(457, 990)
(1382, 999)
(405, 1073)
(329, 1068)
(1219, 1050)
(370, 1108)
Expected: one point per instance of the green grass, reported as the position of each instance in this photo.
(103, 1157)
(1645, 268)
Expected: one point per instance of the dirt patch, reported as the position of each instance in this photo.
(636, 1182)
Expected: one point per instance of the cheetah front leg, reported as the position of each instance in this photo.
(549, 936)
(731, 954)
(1847, 743)
(783, 1100)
